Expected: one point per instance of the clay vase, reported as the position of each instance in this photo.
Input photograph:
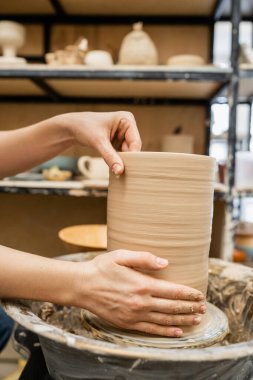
(12, 37)
(98, 58)
(163, 204)
(137, 48)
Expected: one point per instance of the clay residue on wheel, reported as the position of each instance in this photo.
(230, 288)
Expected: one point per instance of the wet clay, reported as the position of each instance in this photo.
(164, 204)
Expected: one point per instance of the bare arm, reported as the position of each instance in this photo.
(123, 296)
(24, 148)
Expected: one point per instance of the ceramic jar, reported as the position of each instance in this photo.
(98, 58)
(137, 48)
(164, 204)
(12, 37)
(189, 60)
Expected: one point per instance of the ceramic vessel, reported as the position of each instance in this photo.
(12, 37)
(98, 58)
(63, 162)
(178, 143)
(164, 204)
(93, 167)
(186, 60)
(137, 48)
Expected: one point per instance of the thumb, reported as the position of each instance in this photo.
(111, 157)
(141, 260)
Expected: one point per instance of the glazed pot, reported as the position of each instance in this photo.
(164, 204)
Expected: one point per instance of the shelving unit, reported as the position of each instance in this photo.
(150, 86)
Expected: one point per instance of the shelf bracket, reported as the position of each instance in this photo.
(49, 91)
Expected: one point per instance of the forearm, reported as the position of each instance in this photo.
(28, 276)
(24, 148)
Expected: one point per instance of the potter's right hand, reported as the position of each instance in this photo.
(111, 287)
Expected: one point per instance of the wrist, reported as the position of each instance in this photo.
(64, 128)
(80, 291)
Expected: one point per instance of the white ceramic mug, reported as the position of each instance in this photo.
(93, 167)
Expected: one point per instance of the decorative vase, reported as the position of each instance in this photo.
(137, 48)
(12, 37)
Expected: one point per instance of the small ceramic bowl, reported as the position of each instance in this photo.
(63, 163)
(98, 58)
(186, 60)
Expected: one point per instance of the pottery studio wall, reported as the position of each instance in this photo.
(31, 222)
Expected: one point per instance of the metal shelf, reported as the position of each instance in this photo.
(77, 190)
(128, 82)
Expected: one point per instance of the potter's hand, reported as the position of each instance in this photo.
(107, 132)
(113, 290)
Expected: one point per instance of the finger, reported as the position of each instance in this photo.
(154, 329)
(177, 307)
(111, 157)
(131, 134)
(141, 260)
(170, 290)
(173, 320)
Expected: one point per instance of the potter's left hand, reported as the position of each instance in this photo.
(107, 132)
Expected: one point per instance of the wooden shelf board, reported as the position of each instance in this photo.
(12, 87)
(26, 7)
(134, 88)
(112, 7)
(140, 7)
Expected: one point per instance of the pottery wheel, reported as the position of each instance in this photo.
(213, 329)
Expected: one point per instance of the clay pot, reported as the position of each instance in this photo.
(137, 48)
(164, 204)
(98, 58)
(186, 60)
(12, 37)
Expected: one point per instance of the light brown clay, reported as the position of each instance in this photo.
(164, 204)
(137, 48)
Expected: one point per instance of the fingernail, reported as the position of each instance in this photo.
(200, 297)
(161, 262)
(117, 169)
(202, 309)
(196, 320)
(178, 332)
